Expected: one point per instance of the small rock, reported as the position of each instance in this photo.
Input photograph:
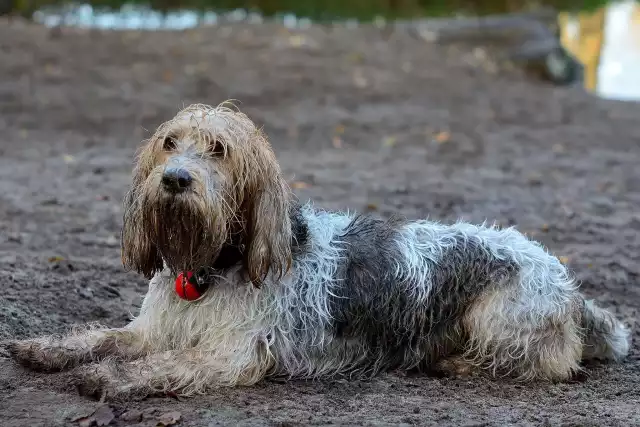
(86, 293)
(103, 416)
(63, 267)
(535, 180)
(50, 202)
(132, 415)
(168, 419)
(14, 238)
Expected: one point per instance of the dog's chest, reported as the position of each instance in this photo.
(224, 311)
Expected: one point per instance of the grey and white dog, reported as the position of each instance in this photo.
(303, 293)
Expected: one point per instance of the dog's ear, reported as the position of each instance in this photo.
(137, 251)
(267, 223)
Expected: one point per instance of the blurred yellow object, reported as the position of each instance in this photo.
(582, 35)
(634, 25)
(635, 16)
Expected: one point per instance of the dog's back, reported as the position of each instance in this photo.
(402, 294)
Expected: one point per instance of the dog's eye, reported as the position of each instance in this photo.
(216, 147)
(169, 143)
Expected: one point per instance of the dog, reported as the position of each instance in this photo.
(298, 292)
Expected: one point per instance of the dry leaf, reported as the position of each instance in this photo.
(563, 259)
(296, 41)
(111, 240)
(389, 141)
(337, 142)
(545, 227)
(339, 129)
(359, 79)
(168, 419)
(442, 137)
(535, 179)
(479, 53)
(50, 69)
(68, 158)
(130, 37)
(299, 185)
(101, 417)
(372, 207)
(355, 57)
(132, 415)
(56, 258)
(82, 417)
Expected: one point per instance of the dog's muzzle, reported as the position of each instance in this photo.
(176, 179)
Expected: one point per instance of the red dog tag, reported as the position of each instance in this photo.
(187, 287)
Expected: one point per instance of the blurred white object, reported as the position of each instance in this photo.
(619, 70)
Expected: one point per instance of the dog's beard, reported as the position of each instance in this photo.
(189, 230)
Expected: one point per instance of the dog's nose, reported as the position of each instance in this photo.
(176, 179)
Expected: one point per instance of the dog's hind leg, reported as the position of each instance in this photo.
(58, 353)
(504, 339)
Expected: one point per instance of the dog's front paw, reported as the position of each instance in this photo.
(43, 355)
(105, 382)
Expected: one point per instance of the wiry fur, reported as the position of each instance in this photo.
(304, 293)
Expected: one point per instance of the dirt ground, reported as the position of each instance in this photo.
(360, 119)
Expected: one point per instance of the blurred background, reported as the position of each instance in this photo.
(514, 112)
(603, 35)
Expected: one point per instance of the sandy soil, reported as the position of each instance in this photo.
(360, 119)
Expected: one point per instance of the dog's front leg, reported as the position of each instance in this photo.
(58, 353)
(176, 372)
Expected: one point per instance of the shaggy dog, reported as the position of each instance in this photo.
(297, 292)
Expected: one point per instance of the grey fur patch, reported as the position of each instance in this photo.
(375, 301)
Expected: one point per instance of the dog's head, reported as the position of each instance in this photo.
(206, 180)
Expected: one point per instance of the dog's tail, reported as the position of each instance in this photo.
(605, 337)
